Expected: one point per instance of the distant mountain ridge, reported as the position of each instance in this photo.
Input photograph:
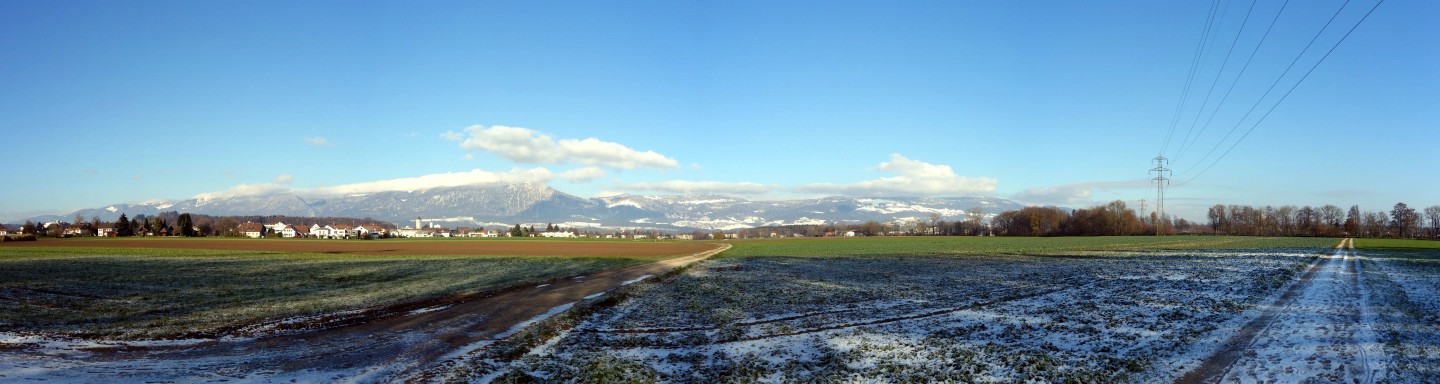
(526, 203)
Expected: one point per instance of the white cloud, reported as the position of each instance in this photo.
(317, 141)
(284, 179)
(1074, 194)
(698, 187)
(529, 146)
(1063, 195)
(914, 178)
(452, 136)
(467, 157)
(438, 180)
(583, 175)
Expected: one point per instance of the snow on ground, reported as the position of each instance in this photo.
(972, 319)
(1320, 336)
(1404, 296)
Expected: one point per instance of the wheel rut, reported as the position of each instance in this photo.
(1321, 329)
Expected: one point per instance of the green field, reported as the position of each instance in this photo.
(142, 293)
(950, 245)
(1397, 244)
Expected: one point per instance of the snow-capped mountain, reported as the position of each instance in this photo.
(506, 204)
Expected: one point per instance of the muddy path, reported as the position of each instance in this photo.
(1321, 330)
(394, 348)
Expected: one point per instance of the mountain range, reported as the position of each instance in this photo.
(526, 203)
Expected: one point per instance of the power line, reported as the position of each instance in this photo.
(1287, 93)
(1194, 63)
(1184, 146)
(1223, 63)
(1271, 88)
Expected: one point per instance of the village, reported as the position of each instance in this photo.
(335, 230)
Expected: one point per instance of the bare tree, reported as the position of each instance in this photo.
(1286, 218)
(1353, 220)
(973, 219)
(1403, 220)
(1375, 224)
(1217, 217)
(1331, 216)
(1433, 213)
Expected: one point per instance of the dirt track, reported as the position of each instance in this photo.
(1319, 330)
(395, 348)
(505, 247)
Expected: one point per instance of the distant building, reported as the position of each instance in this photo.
(557, 234)
(251, 230)
(371, 230)
(105, 230)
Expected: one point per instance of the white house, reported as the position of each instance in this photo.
(4, 231)
(288, 231)
(342, 230)
(320, 231)
(557, 234)
(251, 230)
(278, 226)
(367, 229)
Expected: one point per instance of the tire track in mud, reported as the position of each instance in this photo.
(1323, 308)
(390, 349)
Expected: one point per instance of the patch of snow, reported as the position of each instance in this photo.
(538, 318)
(624, 203)
(635, 280)
(426, 310)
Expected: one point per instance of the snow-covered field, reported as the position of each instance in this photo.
(1404, 293)
(1179, 316)
(1137, 317)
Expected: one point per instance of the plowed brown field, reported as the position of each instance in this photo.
(397, 247)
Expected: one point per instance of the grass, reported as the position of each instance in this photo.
(144, 293)
(954, 245)
(1397, 244)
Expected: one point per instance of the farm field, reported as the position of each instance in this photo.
(1403, 277)
(956, 245)
(1084, 310)
(1103, 309)
(172, 288)
(403, 247)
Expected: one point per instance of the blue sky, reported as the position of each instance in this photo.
(1044, 102)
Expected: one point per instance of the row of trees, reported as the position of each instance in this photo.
(1112, 219)
(1401, 221)
(1116, 219)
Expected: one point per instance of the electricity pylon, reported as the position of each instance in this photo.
(1161, 181)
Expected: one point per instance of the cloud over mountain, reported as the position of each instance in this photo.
(913, 178)
(525, 145)
(438, 180)
(686, 187)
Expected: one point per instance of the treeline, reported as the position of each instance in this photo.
(1113, 219)
(1116, 219)
(1401, 221)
